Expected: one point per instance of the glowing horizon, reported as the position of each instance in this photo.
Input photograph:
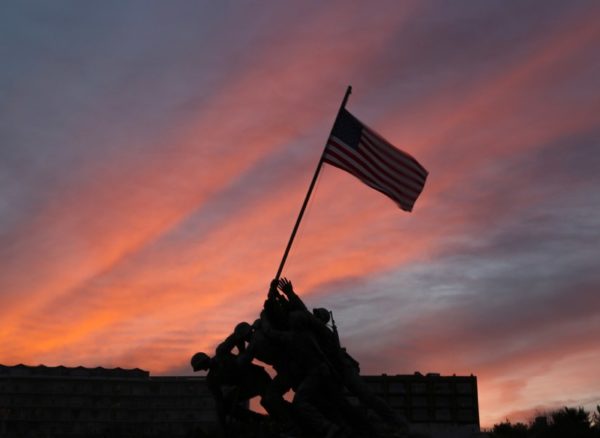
(149, 182)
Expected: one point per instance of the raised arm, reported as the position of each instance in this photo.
(294, 300)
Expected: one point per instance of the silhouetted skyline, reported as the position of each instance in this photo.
(154, 159)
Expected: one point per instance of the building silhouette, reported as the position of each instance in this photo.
(97, 402)
(439, 406)
(40, 401)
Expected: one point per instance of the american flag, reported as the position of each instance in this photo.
(355, 148)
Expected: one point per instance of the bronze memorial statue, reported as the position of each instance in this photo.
(304, 352)
(306, 357)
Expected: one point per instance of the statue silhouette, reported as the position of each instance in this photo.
(306, 356)
(231, 382)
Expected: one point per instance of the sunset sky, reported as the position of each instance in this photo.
(154, 156)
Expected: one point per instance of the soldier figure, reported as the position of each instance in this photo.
(230, 382)
(307, 357)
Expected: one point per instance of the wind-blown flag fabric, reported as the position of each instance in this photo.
(355, 148)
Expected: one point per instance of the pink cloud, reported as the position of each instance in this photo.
(157, 249)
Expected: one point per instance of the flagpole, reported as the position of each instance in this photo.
(310, 190)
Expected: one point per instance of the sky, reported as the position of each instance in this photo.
(154, 156)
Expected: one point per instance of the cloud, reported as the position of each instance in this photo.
(149, 181)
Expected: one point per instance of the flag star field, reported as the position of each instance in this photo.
(154, 157)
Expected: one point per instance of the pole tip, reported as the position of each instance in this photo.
(348, 91)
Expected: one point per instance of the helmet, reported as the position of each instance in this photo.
(243, 330)
(200, 361)
(322, 314)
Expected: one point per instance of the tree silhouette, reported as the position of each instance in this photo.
(562, 423)
(508, 430)
(596, 419)
(571, 422)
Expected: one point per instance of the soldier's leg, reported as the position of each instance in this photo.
(253, 382)
(337, 408)
(358, 387)
(237, 415)
(305, 409)
(273, 400)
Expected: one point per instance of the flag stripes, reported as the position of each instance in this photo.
(374, 161)
(402, 159)
(380, 162)
(344, 157)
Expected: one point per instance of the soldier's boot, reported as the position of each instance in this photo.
(334, 431)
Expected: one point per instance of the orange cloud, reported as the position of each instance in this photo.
(157, 249)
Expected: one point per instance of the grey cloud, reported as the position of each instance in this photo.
(505, 285)
(84, 83)
(454, 47)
